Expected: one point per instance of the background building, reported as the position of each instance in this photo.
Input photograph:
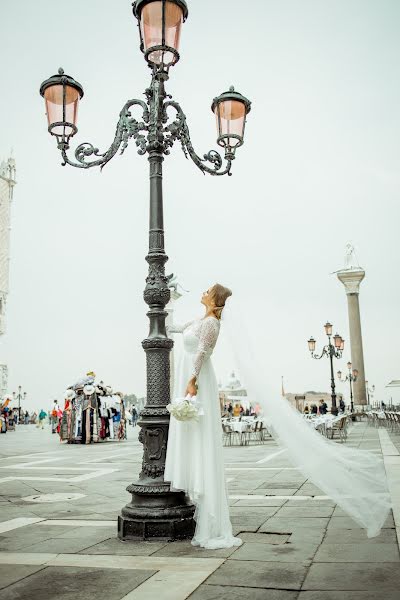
(233, 392)
(7, 182)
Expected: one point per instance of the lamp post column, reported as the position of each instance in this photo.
(351, 280)
(334, 409)
(155, 511)
(351, 394)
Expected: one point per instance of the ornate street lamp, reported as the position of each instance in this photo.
(331, 351)
(155, 511)
(350, 377)
(19, 397)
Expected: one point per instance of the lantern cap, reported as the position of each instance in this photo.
(231, 94)
(138, 5)
(61, 79)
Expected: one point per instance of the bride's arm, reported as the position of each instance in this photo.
(208, 338)
(178, 328)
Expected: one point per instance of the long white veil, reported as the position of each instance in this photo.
(355, 479)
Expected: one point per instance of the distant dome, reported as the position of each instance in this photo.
(233, 382)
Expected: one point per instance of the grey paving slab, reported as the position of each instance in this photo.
(115, 547)
(353, 576)
(355, 536)
(304, 511)
(59, 546)
(260, 502)
(287, 576)
(11, 574)
(348, 523)
(293, 553)
(275, 491)
(227, 592)
(338, 553)
(287, 524)
(347, 595)
(185, 548)
(72, 583)
(252, 512)
(265, 538)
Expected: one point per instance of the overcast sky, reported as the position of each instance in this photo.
(320, 167)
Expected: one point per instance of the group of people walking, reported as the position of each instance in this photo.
(322, 408)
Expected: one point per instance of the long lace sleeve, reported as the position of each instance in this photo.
(178, 328)
(208, 338)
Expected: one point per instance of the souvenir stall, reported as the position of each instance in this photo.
(92, 413)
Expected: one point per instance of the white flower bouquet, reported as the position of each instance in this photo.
(186, 409)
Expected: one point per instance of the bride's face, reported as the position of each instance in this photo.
(207, 299)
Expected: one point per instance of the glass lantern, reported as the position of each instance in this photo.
(337, 340)
(160, 23)
(62, 94)
(230, 109)
(311, 344)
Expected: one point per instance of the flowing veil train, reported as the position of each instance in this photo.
(355, 479)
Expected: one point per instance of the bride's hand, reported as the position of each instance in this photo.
(191, 387)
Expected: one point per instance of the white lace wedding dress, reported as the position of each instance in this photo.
(194, 461)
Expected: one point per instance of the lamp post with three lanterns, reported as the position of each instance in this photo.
(18, 397)
(350, 377)
(331, 351)
(155, 510)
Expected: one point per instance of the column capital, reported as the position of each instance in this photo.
(351, 279)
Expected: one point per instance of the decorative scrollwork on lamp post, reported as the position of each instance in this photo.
(331, 351)
(154, 124)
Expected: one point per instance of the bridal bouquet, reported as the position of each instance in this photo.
(186, 409)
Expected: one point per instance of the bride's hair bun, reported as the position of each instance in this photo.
(220, 294)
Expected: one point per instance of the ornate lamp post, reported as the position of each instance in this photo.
(154, 511)
(331, 351)
(350, 377)
(18, 397)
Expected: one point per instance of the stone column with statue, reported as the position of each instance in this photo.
(351, 276)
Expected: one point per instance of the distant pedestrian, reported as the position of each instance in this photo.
(323, 407)
(26, 418)
(306, 410)
(230, 408)
(314, 409)
(42, 416)
(134, 416)
(342, 406)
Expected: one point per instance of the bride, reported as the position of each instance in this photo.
(355, 479)
(194, 461)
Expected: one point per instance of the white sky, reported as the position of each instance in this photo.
(320, 166)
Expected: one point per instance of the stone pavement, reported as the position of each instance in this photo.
(297, 543)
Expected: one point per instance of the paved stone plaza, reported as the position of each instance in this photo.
(297, 543)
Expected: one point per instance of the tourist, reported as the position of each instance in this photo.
(230, 408)
(54, 417)
(134, 415)
(306, 410)
(314, 409)
(42, 416)
(342, 406)
(323, 407)
(26, 418)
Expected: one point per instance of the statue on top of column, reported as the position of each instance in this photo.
(350, 258)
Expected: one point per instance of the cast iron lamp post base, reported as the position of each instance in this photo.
(165, 517)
